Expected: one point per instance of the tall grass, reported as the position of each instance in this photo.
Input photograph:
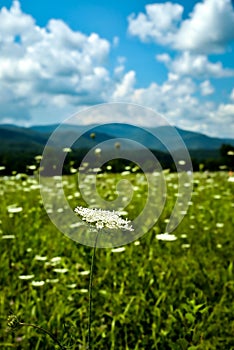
(152, 295)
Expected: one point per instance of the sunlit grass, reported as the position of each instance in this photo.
(150, 294)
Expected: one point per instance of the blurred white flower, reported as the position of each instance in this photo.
(166, 237)
(56, 259)
(118, 250)
(97, 151)
(84, 273)
(216, 196)
(8, 237)
(52, 280)
(38, 283)
(60, 270)
(40, 258)
(26, 277)
(185, 246)
(31, 167)
(71, 286)
(14, 210)
(67, 150)
(181, 162)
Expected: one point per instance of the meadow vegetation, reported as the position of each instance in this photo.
(149, 294)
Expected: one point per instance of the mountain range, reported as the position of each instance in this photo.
(16, 140)
(37, 136)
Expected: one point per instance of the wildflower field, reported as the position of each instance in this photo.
(149, 294)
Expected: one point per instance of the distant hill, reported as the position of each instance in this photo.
(192, 140)
(20, 145)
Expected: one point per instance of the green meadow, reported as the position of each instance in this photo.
(148, 294)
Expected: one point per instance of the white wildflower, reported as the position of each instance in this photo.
(52, 280)
(31, 167)
(38, 283)
(166, 237)
(26, 277)
(67, 149)
(71, 286)
(181, 162)
(104, 219)
(14, 210)
(97, 151)
(61, 270)
(40, 258)
(185, 246)
(8, 237)
(84, 273)
(56, 259)
(118, 250)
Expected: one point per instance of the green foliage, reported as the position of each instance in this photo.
(153, 295)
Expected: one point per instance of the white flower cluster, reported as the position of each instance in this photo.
(102, 219)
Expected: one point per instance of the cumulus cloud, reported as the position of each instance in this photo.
(206, 88)
(159, 23)
(208, 29)
(125, 87)
(223, 118)
(195, 65)
(177, 100)
(49, 65)
(54, 70)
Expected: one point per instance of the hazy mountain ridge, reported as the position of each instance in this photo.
(19, 145)
(37, 136)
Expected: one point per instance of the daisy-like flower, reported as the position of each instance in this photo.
(104, 219)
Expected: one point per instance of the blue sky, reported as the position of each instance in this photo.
(175, 57)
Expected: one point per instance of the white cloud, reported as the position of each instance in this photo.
(125, 87)
(39, 66)
(195, 65)
(223, 119)
(206, 88)
(164, 57)
(176, 100)
(158, 24)
(208, 29)
(54, 71)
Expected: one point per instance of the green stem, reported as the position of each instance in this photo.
(23, 324)
(91, 291)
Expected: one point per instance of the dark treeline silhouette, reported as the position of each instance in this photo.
(20, 160)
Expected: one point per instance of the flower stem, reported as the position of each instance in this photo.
(23, 324)
(91, 291)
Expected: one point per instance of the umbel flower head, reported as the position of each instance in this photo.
(104, 219)
(13, 322)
